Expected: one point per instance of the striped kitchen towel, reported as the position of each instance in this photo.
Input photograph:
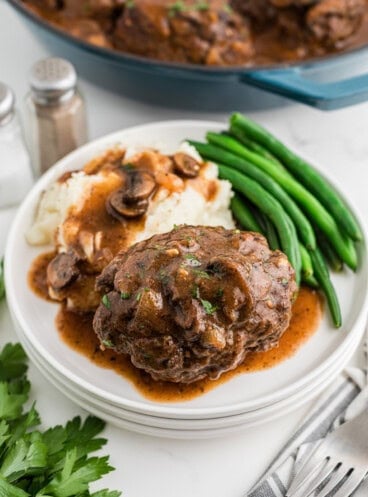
(344, 400)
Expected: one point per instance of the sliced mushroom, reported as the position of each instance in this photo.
(118, 208)
(139, 186)
(186, 165)
(62, 270)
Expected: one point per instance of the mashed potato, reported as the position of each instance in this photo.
(167, 208)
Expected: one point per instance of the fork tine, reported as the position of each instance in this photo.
(308, 470)
(335, 479)
(323, 474)
(352, 483)
(312, 483)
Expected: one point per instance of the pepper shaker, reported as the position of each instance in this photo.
(55, 113)
(15, 167)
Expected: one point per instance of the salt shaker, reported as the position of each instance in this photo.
(15, 166)
(55, 111)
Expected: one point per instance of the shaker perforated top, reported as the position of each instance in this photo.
(52, 77)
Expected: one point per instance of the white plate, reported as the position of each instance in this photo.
(176, 433)
(244, 392)
(190, 424)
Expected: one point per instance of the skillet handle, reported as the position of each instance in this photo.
(295, 84)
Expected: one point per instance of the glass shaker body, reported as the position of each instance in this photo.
(15, 168)
(54, 129)
(55, 113)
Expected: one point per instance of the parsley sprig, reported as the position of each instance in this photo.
(51, 463)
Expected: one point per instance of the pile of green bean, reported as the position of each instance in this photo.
(285, 198)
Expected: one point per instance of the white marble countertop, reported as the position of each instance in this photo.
(154, 467)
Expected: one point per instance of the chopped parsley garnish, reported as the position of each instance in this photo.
(107, 343)
(227, 8)
(129, 4)
(195, 292)
(201, 274)
(106, 302)
(220, 292)
(125, 295)
(139, 294)
(201, 5)
(176, 8)
(191, 260)
(208, 307)
(86, 9)
(33, 462)
(163, 277)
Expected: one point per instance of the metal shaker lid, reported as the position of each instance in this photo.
(52, 78)
(7, 101)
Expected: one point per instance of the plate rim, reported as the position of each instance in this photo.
(333, 372)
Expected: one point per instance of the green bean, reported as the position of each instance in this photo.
(323, 278)
(309, 176)
(332, 258)
(307, 266)
(269, 206)
(271, 234)
(317, 213)
(310, 281)
(244, 215)
(253, 146)
(217, 154)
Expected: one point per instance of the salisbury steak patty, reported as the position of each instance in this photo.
(192, 303)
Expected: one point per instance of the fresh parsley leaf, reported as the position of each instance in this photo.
(54, 463)
(13, 362)
(75, 476)
(8, 490)
(21, 425)
(106, 493)
(4, 433)
(125, 295)
(208, 307)
(2, 282)
(28, 456)
(129, 4)
(106, 302)
(12, 398)
(73, 435)
(107, 343)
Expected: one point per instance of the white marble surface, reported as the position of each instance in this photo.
(337, 141)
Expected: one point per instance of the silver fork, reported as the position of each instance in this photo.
(342, 457)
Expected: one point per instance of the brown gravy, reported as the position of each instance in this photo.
(272, 44)
(77, 332)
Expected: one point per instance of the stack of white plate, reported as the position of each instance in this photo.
(243, 401)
